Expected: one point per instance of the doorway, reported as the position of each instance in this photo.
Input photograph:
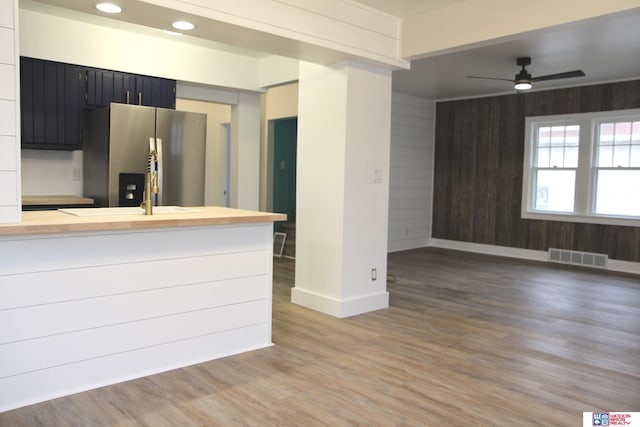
(285, 141)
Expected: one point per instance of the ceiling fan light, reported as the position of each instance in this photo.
(522, 85)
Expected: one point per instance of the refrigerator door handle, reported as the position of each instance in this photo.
(159, 169)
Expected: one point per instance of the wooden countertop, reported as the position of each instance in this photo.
(56, 200)
(44, 222)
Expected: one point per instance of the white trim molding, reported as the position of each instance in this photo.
(339, 308)
(528, 254)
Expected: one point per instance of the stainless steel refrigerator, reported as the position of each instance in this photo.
(115, 154)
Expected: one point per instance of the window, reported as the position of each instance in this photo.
(583, 168)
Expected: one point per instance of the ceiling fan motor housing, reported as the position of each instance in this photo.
(523, 61)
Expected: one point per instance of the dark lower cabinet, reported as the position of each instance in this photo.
(51, 102)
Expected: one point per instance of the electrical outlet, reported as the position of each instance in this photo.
(75, 174)
(374, 274)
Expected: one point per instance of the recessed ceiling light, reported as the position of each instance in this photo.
(183, 25)
(172, 33)
(108, 8)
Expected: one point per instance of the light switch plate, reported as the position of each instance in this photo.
(377, 176)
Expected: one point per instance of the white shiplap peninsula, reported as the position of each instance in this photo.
(91, 301)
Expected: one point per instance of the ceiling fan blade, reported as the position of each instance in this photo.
(490, 78)
(565, 75)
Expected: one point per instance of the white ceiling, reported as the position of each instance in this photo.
(605, 48)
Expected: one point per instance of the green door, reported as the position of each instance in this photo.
(285, 139)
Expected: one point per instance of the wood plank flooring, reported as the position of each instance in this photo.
(468, 340)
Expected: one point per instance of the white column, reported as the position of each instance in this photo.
(9, 114)
(245, 152)
(342, 188)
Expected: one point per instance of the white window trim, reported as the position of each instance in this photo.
(585, 178)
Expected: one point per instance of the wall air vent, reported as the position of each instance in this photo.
(585, 259)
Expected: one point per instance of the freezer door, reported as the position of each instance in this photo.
(130, 129)
(183, 136)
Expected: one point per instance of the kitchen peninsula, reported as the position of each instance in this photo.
(95, 300)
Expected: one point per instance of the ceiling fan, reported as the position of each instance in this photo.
(523, 80)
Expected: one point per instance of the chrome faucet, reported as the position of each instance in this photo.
(150, 179)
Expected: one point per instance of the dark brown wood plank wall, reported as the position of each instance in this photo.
(479, 151)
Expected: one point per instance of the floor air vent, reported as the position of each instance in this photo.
(578, 258)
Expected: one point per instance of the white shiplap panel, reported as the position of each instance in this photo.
(26, 356)
(7, 117)
(411, 171)
(421, 173)
(7, 82)
(49, 319)
(7, 44)
(174, 297)
(46, 287)
(6, 14)
(36, 386)
(8, 192)
(8, 153)
(57, 252)
(412, 163)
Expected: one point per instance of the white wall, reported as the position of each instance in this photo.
(217, 115)
(51, 172)
(245, 152)
(411, 171)
(9, 113)
(49, 37)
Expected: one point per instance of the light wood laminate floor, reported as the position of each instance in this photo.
(468, 340)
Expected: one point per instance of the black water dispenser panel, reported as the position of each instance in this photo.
(131, 189)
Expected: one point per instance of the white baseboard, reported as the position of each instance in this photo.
(528, 254)
(339, 308)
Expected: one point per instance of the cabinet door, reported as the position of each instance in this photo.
(51, 104)
(155, 92)
(71, 111)
(104, 87)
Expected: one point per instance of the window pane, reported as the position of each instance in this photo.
(557, 135)
(543, 136)
(636, 133)
(618, 192)
(621, 156)
(555, 190)
(605, 156)
(557, 157)
(606, 134)
(543, 157)
(634, 162)
(571, 157)
(622, 132)
(572, 135)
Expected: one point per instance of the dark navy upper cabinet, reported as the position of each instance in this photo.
(105, 87)
(54, 95)
(51, 103)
